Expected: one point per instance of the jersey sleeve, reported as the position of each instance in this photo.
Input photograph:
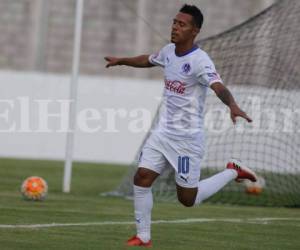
(158, 58)
(207, 73)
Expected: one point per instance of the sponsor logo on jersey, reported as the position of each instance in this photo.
(175, 86)
(213, 76)
(186, 68)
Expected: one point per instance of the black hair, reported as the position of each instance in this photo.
(195, 12)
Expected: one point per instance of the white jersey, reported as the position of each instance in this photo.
(187, 78)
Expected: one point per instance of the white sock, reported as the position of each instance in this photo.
(143, 203)
(213, 184)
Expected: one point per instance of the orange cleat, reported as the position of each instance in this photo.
(136, 241)
(243, 172)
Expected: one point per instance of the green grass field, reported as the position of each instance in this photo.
(84, 206)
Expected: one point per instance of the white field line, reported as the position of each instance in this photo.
(183, 221)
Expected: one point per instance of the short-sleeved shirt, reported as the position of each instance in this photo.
(187, 78)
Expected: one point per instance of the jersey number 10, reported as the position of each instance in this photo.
(183, 164)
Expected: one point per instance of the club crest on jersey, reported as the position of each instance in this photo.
(186, 68)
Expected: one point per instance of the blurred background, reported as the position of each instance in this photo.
(37, 35)
(36, 53)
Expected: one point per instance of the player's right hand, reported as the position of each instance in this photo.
(112, 61)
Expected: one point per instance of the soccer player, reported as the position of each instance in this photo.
(178, 138)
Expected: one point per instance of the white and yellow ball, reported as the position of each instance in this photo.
(34, 188)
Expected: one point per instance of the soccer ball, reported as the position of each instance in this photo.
(34, 188)
(255, 188)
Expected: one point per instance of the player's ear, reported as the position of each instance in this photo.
(195, 31)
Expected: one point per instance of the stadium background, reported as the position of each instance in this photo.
(36, 47)
(37, 35)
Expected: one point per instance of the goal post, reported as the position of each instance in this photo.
(73, 98)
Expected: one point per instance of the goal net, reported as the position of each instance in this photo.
(259, 61)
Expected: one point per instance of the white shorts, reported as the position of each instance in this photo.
(160, 152)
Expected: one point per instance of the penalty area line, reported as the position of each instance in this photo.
(182, 221)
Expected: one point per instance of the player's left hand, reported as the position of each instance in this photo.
(235, 112)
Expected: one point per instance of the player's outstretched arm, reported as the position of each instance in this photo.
(226, 97)
(138, 61)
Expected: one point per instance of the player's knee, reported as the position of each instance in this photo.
(142, 178)
(186, 196)
(138, 178)
(186, 202)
